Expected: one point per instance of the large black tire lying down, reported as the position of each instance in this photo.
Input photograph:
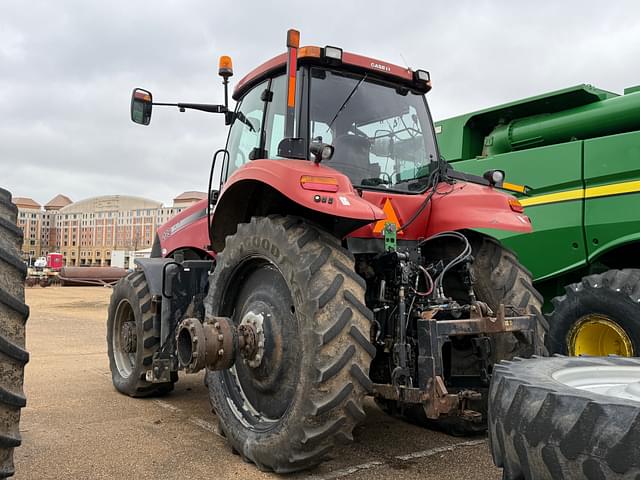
(543, 427)
(13, 315)
(306, 394)
(133, 338)
(499, 278)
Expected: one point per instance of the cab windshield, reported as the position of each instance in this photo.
(381, 132)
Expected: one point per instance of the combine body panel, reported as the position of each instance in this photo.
(578, 150)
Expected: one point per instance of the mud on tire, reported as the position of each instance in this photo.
(13, 315)
(131, 304)
(540, 428)
(324, 375)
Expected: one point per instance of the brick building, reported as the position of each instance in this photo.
(86, 232)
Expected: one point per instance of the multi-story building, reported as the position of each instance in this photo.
(86, 232)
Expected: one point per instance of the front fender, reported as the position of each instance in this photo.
(264, 187)
(472, 206)
(284, 176)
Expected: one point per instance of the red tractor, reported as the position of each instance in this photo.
(339, 258)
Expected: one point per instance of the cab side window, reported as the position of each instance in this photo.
(274, 123)
(276, 111)
(244, 136)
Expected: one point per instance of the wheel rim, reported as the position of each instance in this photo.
(260, 393)
(124, 351)
(599, 335)
(615, 381)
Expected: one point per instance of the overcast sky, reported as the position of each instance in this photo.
(67, 69)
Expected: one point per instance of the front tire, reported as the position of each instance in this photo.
(598, 316)
(13, 315)
(132, 338)
(305, 394)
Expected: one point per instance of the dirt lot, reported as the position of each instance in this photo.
(77, 426)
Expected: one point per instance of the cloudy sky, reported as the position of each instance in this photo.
(67, 69)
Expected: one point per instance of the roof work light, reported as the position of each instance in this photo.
(422, 75)
(334, 53)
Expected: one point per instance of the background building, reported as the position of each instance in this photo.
(86, 232)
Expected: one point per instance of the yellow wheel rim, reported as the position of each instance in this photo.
(598, 335)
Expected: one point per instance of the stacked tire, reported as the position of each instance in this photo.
(13, 315)
(566, 418)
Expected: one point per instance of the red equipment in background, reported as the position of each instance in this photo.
(55, 261)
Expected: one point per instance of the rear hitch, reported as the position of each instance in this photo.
(431, 391)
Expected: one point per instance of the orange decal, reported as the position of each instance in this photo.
(391, 217)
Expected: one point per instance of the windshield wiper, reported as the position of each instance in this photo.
(346, 100)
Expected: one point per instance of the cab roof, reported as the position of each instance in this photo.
(311, 54)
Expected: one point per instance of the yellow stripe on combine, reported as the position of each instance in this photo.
(612, 189)
(580, 193)
(553, 197)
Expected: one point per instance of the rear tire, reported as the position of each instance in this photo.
(306, 396)
(132, 338)
(611, 296)
(13, 315)
(501, 278)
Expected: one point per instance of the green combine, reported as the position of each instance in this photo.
(578, 150)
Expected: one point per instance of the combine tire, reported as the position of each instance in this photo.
(306, 394)
(13, 315)
(599, 316)
(566, 418)
(132, 338)
(499, 278)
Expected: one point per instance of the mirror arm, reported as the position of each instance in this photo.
(466, 177)
(204, 107)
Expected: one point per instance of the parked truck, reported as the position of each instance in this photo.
(578, 150)
(336, 258)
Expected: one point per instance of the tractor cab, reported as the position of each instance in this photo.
(366, 119)
(363, 117)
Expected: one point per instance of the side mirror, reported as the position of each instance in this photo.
(141, 104)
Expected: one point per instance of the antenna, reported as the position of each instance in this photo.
(406, 64)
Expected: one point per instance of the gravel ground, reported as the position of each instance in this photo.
(76, 426)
